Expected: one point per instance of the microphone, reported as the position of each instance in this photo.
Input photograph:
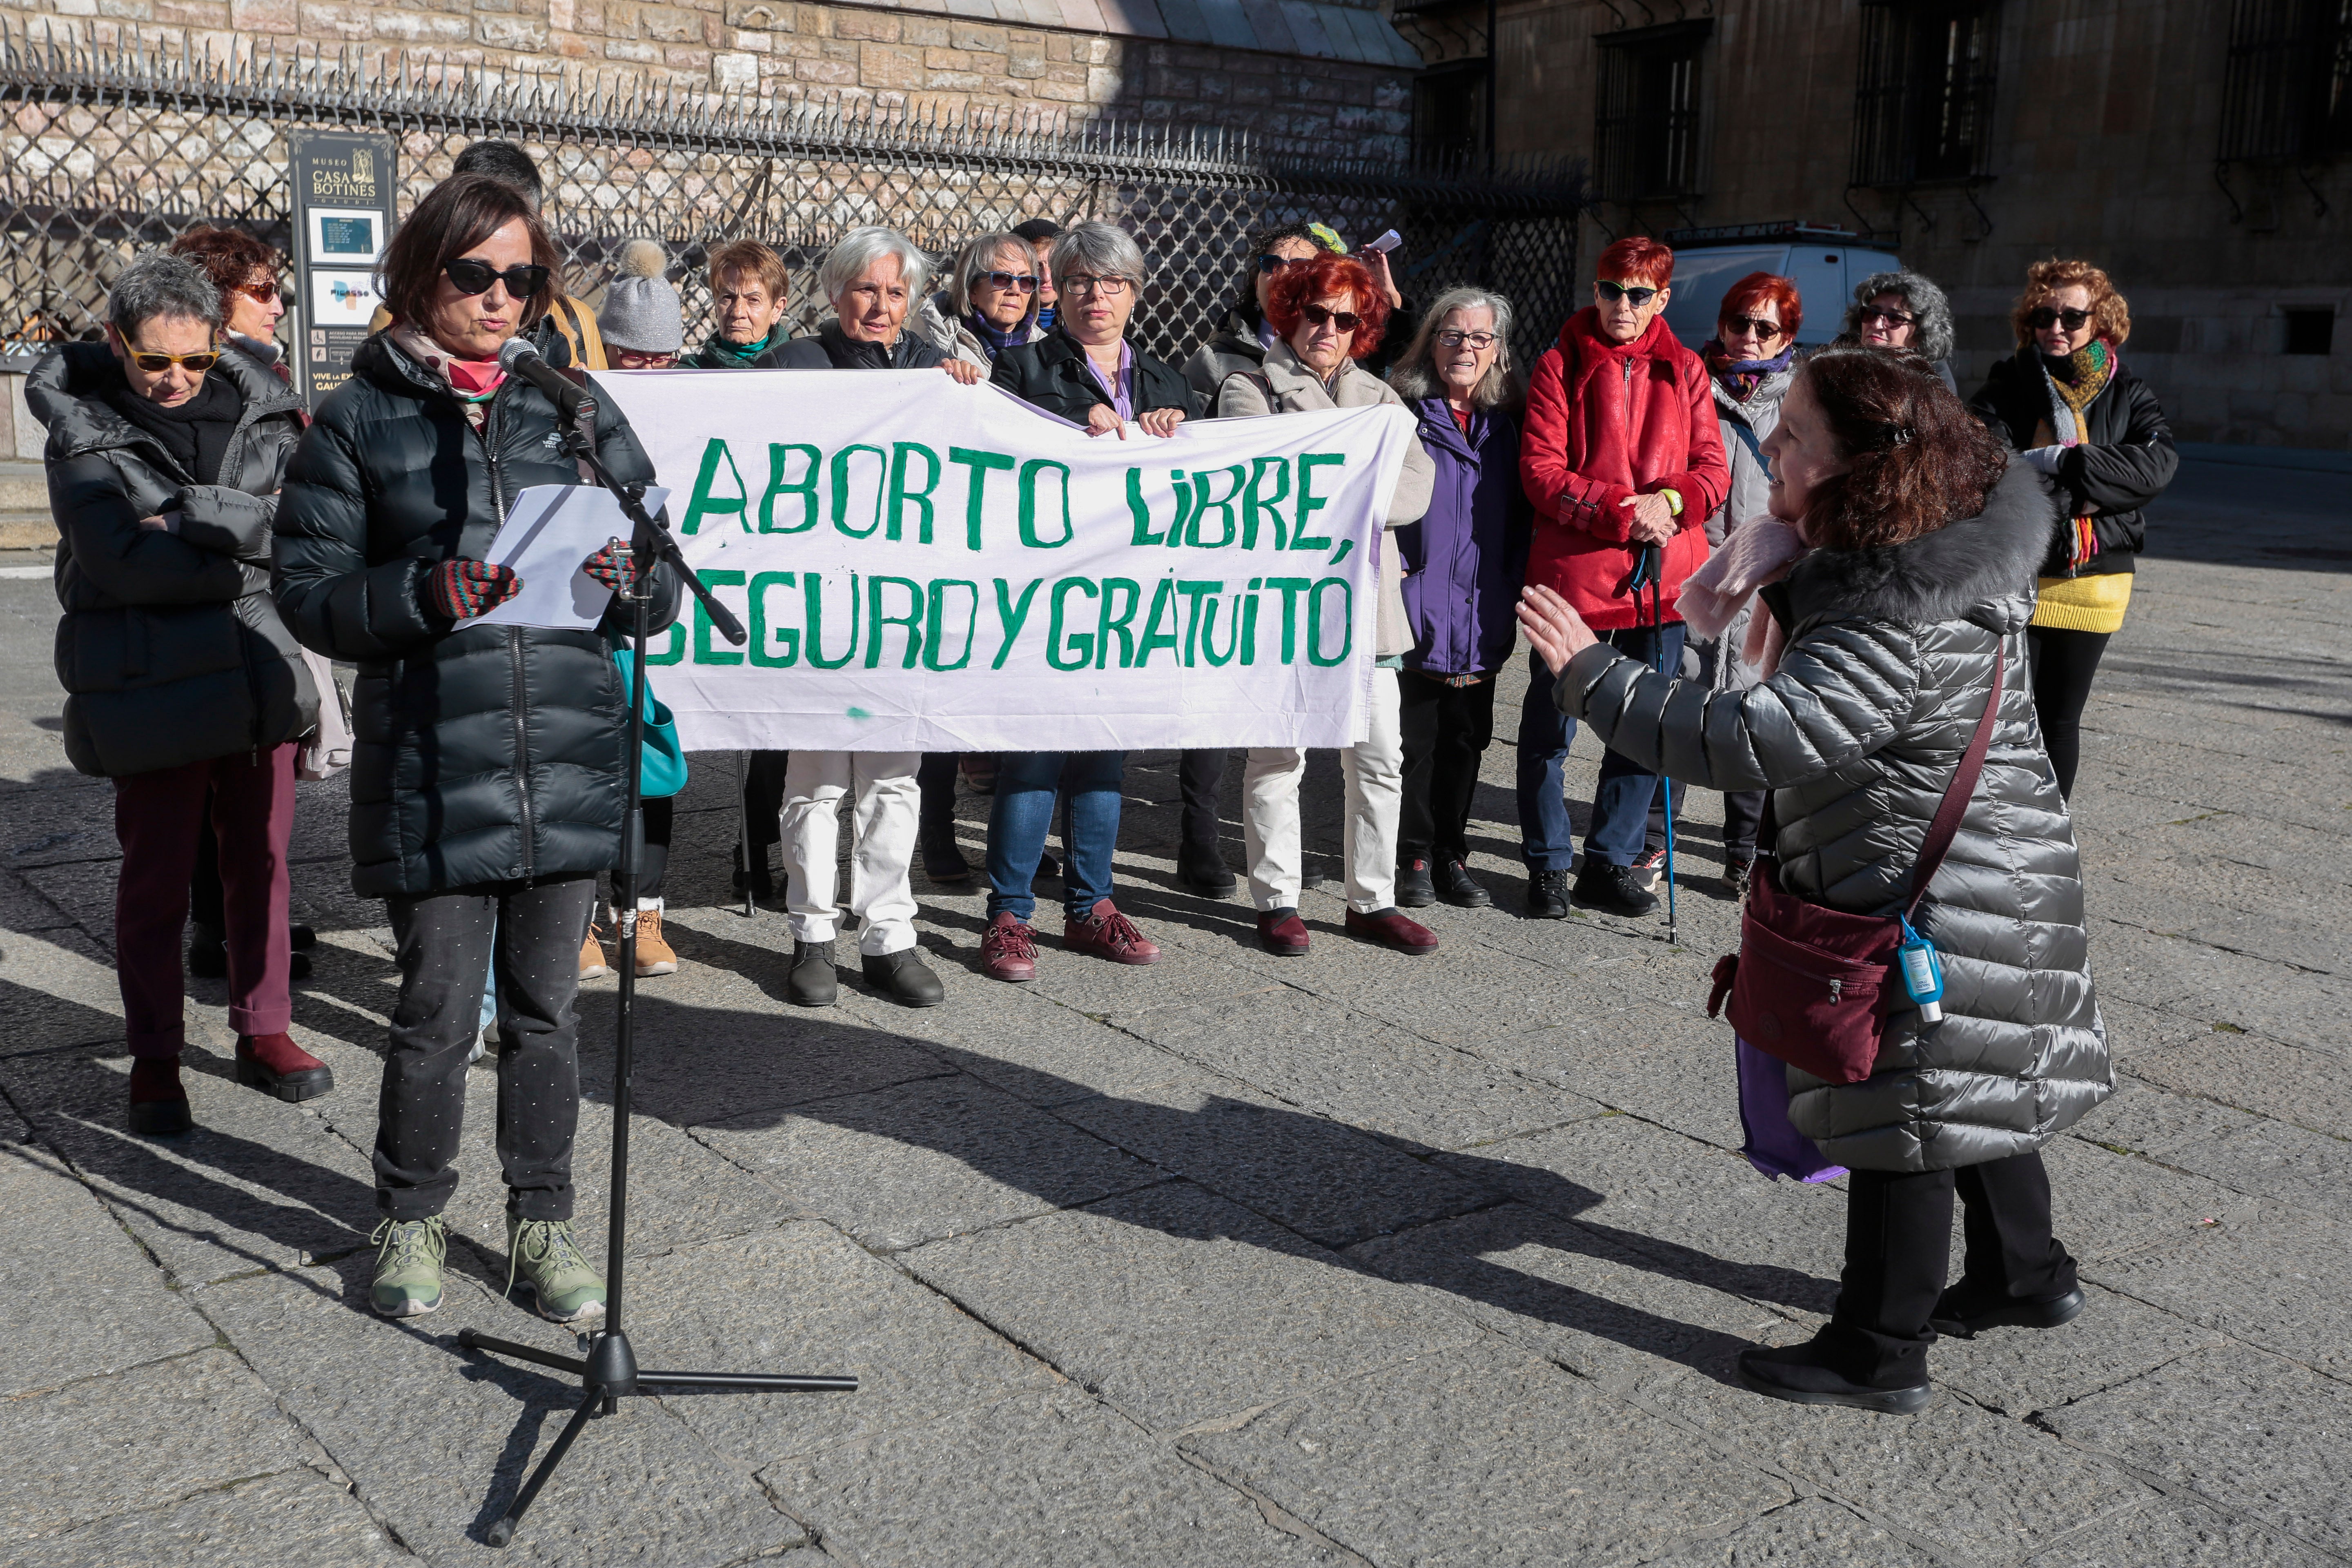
(574, 404)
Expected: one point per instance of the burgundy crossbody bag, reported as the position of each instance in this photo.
(1809, 983)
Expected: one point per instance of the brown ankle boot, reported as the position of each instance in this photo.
(276, 1064)
(159, 1106)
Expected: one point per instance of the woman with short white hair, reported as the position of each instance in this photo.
(990, 303)
(870, 278)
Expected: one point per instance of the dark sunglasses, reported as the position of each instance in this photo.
(1272, 264)
(263, 291)
(1756, 324)
(472, 277)
(1612, 292)
(1889, 317)
(2046, 317)
(1024, 282)
(155, 364)
(1345, 321)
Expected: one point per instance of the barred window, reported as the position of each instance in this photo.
(1923, 108)
(1449, 112)
(1646, 136)
(2288, 96)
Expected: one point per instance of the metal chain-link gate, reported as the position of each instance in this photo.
(103, 155)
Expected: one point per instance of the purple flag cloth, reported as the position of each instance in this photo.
(1774, 1146)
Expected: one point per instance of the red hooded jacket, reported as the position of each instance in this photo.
(1607, 422)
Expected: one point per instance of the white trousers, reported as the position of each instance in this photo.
(1374, 767)
(883, 822)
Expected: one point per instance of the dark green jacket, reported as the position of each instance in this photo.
(170, 651)
(488, 754)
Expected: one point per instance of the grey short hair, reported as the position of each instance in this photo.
(157, 284)
(1927, 300)
(861, 249)
(1415, 376)
(978, 258)
(1104, 249)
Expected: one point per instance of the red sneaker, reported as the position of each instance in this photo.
(1282, 933)
(1009, 949)
(276, 1064)
(1107, 933)
(1391, 929)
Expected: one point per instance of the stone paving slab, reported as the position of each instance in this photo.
(2018, 1372)
(1807, 1532)
(2272, 1278)
(295, 1517)
(1453, 1459)
(1178, 1308)
(1039, 1481)
(2179, 1534)
(142, 1438)
(57, 988)
(2244, 1429)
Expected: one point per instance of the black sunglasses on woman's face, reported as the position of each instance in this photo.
(1756, 324)
(2046, 317)
(1281, 263)
(1612, 292)
(472, 277)
(1345, 321)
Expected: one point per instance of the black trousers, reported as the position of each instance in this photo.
(1446, 730)
(1201, 779)
(1898, 1238)
(444, 950)
(935, 775)
(2064, 665)
(763, 797)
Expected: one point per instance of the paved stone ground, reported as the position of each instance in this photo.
(1345, 1260)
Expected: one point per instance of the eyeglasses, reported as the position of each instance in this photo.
(263, 290)
(1345, 321)
(155, 364)
(1756, 324)
(472, 277)
(1027, 282)
(1612, 292)
(1454, 340)
(2046, 317)
(636, 359)
(1889, 317)
(1086, 283)
(1278, 264)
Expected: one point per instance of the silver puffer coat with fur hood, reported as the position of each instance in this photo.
(1889, 658)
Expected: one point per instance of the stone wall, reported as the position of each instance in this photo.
(2105, 132)
(1329, 78)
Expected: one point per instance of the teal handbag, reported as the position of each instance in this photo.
(661, 771)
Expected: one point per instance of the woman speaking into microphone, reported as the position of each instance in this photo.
(487, 790)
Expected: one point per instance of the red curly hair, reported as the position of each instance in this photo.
(1742, 298)
(1322, 278)
(1636, 258)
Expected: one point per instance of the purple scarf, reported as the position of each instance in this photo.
(1742, 376)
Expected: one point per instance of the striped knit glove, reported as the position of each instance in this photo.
(610, 567)
(462, 589)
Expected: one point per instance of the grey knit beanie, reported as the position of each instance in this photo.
(641, 311)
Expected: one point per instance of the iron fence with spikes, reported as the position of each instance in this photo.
(102, 153)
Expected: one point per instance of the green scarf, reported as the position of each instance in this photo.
(717, 348)
(2076, 382)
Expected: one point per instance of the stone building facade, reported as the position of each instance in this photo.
(1327, 76)
(2200, 150)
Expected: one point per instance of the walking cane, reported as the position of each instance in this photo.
(1648, 568)
(744, 826)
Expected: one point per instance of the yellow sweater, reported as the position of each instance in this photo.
(2094, 603)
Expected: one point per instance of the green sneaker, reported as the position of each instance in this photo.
(542, 1253)
(408, 1267)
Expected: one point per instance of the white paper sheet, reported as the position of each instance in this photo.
(550, 530)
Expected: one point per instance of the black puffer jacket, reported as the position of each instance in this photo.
(832, 349)
(1051, 374)
(2110, 478)
(170, 651)
(1888, 662)
(486, 755)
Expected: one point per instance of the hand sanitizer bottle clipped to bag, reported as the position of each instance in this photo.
(1923, 974)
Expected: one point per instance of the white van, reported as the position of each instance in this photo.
(1824, 263)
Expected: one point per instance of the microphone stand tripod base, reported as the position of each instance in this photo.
(608, 1373)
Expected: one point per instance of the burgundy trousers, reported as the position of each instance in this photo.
(157, 816)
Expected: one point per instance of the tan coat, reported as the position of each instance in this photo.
(1295, 389)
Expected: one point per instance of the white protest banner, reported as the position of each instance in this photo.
(930, 567)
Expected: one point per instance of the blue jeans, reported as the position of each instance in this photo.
(1026, 785)
(1620, 801)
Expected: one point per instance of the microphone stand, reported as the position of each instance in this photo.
(609, 1372)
